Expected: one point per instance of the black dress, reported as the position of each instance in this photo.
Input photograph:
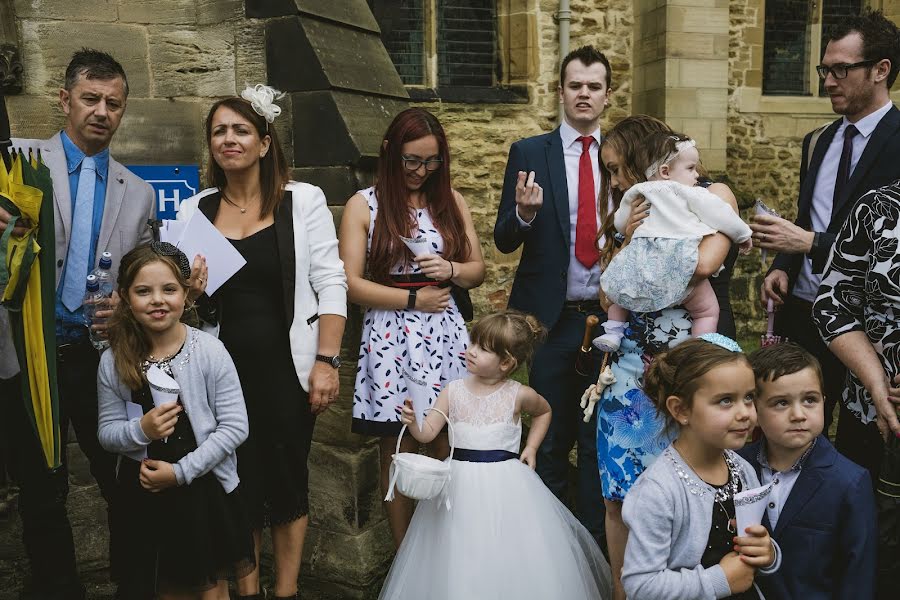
(720, 541)
(272, 463)
(184, 539)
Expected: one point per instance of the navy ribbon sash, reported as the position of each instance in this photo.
(483, 456)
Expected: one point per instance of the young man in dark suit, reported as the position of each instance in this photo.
(821, 509)
(549, 208)
(853, 155)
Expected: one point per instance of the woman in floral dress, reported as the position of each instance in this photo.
(409, 246)
(630, 432)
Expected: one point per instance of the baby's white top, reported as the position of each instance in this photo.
(679, 211)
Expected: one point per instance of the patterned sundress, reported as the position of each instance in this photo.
(404, 352)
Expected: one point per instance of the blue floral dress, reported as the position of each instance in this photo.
(405, 353)
(630, 431)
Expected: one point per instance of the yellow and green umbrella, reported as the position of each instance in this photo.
(27, 284)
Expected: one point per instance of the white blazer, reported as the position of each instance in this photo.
(320, 284)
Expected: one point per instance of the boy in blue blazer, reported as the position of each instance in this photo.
(822, 509)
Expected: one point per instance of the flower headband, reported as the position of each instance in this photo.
(680, 146)
(262, 100)
(167, 249)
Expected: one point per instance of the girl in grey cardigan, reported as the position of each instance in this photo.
(682, 542)
(177, 471)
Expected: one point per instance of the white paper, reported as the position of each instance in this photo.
(134, 411)
(420, 394)
(418, 246)
(750, 506)
(170, 231)
(222, 260)
(163, 388)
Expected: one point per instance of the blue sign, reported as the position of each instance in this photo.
(172, 183)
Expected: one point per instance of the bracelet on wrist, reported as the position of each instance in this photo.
(411, 302)
(451, 270)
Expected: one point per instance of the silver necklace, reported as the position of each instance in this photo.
(700, 489)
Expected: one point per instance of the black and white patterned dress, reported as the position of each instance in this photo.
(860, 288)
(405, 352)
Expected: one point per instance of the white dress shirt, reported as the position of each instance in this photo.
(807, 285)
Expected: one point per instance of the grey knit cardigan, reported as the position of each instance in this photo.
(668, 531)
(212, 398)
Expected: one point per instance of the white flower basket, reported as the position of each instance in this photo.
(417, 476)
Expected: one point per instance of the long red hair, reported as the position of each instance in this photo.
(395, 219)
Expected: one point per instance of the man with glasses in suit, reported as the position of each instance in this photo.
(854, 154)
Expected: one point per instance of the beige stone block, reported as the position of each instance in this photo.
(158, 11)
(654, 75)
(753, 35)
(694, 72)
(699, 129)
(693, 45)
(69, 10)
(193, 61)
(160, 131)
(216, 11)
(779, 126)
(712, 102)
(681, 102)
(689, 20)
(344, 487)
(250, 52)
(718, 133)
(36, 117)
(47, 48)
(753, 78)
(349, 567)
(714, 159)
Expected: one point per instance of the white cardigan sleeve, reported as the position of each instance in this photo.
(713, 211)
(326, 269)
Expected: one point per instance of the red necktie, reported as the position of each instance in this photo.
(586, 226)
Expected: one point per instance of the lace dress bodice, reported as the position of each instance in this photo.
(485, 422)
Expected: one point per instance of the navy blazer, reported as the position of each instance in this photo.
(540, 284)
(826, 530)
(878, 166)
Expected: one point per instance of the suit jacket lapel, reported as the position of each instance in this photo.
(881, 134)
(55, 158)
(807, 484)
(115, 196)
(809, 183)
(556, 165)
(284, 238)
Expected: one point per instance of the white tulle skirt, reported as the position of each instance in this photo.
(506, 536)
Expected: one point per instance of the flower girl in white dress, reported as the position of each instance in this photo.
(505, 535)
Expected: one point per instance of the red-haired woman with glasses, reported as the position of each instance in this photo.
(414, 337)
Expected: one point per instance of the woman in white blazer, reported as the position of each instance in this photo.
(281, 316)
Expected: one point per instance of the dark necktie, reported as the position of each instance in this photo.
(843, 174)
(586, 226)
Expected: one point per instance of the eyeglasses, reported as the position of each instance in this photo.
(413, 164)
(841, 71)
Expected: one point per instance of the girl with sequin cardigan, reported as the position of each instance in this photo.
(682, 542)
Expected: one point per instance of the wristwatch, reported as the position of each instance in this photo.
(334, 361)
(411, 302)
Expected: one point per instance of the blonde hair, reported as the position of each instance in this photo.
(509, 334)
(677, 372)
(127, 340)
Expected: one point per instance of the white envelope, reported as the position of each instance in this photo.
(750, 506)
(222, 259)
(420, 394)
(418, 246)
(163, 388)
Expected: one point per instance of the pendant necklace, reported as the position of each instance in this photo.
(721, 494)
(243, 209)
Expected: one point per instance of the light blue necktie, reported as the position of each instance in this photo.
(80, 243)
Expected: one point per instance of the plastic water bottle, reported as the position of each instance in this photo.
(94, 298)
(104, 277)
